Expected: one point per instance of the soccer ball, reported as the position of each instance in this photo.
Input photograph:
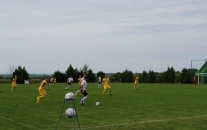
(70, 112)
(97, 103)
(69, 96)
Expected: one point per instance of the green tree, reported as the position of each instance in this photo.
(21, 74)
(91, 76)
(170, 75)
(70, 71)
(100, 73)
(151, 76)
(143, 77)
(127, 76)
(185, 76)
(84, 69)
(60, 77)
(76, 75)
(117, 76)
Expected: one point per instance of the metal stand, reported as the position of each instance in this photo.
(74, 118)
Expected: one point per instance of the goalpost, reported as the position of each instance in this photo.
(200, 70)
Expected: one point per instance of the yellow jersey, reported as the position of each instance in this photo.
(105, 81)
(44, 82)
(14, 80)
(79, 81)
(54, 80)
(136, 80)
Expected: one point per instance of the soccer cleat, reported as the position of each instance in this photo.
(82, 102)
(110, 94)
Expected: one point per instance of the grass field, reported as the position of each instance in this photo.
(153, 107)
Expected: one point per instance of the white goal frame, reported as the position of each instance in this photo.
(199, 75)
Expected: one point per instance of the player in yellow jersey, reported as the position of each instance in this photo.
(106, 85)
(136, 82)
(79, 81)
(79, 84)
(54, 81)
(42, 88)
(14, 82)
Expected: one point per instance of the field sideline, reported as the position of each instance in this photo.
(153, 107)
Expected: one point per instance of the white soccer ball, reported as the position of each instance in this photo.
(70, 96)
(97, 103)
(70, 112)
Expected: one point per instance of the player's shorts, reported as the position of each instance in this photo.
(99, 82)
(69, 83)
(107, 87)
(135, 82)
(42, 92)
(14, 85)
(84, 93)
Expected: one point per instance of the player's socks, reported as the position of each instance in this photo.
(67, 88)
(38, 99)
(77, 92)
(84, 98)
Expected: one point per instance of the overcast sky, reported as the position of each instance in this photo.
(108, 35)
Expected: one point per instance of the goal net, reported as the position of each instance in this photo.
(201, 78)
(199, 69)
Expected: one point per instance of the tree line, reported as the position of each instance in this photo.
(127, 76)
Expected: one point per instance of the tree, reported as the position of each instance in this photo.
(170, 75)
(76, 75)
(117, 76)
(11, 69)
(70, 71)
(143, 77)
(60, 77)
(21, 74)
(85, 69)
(127, 76)
(91, 76)
(151, 76)
(185, 76)
(100, 73)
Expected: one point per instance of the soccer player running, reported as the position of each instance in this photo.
(79, 84)
(14, 82)
(51, 81)
(106, 85)
(136, 82)
(99, 81)
(41, 89)
(69, 80)
(83, 90)
(54, 81)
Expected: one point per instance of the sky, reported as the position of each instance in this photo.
(45, 36)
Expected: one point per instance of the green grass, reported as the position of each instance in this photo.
(153, 107)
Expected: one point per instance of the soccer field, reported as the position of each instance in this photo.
(152, 107)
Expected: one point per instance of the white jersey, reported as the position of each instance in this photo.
(70, 80)
(84, 84)
(51, 79)
(99, 79)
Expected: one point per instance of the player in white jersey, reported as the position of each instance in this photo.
(99, 81)
(51, 81)
(83, 90)
(80, 85)
(69, 80)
